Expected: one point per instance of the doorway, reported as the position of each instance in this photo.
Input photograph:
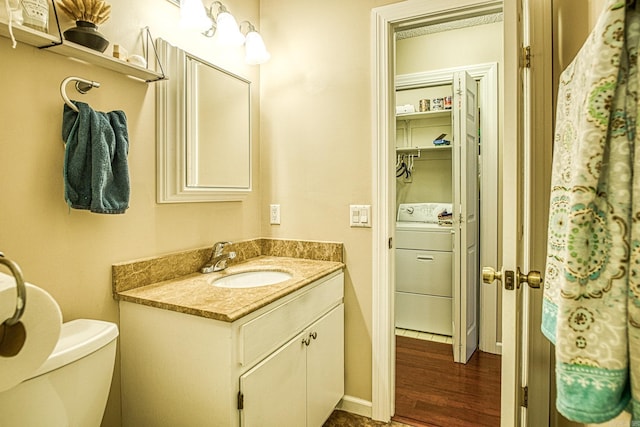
(384, 189)
(437, 293)
(519, 200)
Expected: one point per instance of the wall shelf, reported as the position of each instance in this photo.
(426, 148)
(48, 42)
(423, 115)
(27, 35)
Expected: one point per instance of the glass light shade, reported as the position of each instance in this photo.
(227, 30)
(255, 50)
(193, 15)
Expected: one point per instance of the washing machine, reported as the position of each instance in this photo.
(424, 268)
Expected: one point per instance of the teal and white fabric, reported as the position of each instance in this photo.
(591, 306)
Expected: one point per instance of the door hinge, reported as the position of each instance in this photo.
(524, 396)
(525, 59)
(240, 400)
(390, 242)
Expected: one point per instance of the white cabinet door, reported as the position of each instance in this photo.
(465, 165)
(274, 391)
(325, 366)
(302, 382)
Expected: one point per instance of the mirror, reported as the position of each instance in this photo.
(204, 130)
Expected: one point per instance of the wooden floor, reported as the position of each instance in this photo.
(432, 390)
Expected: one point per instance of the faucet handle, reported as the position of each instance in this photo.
(218, 247)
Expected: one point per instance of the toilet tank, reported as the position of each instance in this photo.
(72, 386)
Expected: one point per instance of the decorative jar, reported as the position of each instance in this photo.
(86, 33)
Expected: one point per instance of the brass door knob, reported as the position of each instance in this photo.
(489, 275)
(534, 279)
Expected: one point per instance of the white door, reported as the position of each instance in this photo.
(523, 122)
(511, 253)
(465, 198)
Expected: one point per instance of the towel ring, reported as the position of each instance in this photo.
(82, 85)
(21, 289)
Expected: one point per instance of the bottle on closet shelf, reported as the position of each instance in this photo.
(36, 14)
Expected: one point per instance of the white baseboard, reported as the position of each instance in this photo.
(355, 405)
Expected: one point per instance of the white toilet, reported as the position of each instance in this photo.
(72, 386)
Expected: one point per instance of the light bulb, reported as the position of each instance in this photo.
(193, 15)
(255, 50)
(227, 30)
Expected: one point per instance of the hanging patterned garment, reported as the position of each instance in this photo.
(591, 306)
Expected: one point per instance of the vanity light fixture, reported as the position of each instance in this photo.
(224, 27)
(215, 21)
(255, 50)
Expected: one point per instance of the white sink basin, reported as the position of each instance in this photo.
(252, 279)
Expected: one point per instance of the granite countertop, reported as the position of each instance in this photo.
(193, 293)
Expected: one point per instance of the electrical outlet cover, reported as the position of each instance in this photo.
(274, 214)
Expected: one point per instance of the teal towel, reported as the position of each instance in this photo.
(591, 306)
(96, 173)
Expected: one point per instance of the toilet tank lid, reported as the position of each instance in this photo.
(78, 338)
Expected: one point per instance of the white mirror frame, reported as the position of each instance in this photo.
(171, 167)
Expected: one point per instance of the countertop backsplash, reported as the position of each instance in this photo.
(134, 274)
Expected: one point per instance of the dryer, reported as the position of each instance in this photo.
(424, 268)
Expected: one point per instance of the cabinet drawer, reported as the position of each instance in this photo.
(441, 240)
(265, 333)
(424, 272)
(424, 313)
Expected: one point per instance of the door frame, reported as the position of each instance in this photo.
(384, 22)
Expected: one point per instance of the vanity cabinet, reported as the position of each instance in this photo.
(181, 369)
(300, 383)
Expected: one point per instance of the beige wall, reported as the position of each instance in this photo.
(316, 144)
(69, 252)
(455, 48)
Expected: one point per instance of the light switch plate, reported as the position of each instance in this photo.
(274, 214)
(360, 215)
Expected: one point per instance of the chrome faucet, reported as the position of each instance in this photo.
(218, 259)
